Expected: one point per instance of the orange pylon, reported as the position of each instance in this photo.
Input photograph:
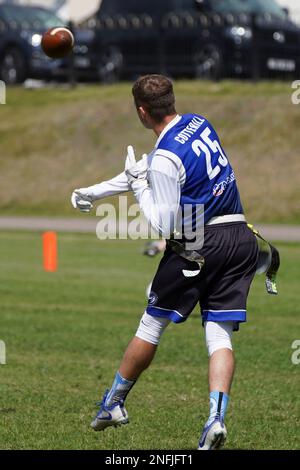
(50, 251)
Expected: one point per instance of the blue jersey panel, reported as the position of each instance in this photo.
(210, 179)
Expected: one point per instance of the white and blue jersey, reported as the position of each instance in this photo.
(207, 177)
(187, 166)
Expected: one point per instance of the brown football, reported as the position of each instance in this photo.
(57, 42)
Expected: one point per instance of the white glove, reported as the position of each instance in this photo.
(82, 199)
(136, 172)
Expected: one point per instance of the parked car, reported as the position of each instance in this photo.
(202, 38)
(21, 56)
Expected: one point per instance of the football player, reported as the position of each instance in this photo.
(187, 167)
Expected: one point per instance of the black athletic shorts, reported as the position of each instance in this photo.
(221, 287)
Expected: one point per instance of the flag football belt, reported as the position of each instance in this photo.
(272, 268)
(190, 255)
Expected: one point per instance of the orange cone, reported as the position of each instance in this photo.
(50, 251)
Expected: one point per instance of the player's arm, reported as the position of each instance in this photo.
(83, 198)
(160, 203)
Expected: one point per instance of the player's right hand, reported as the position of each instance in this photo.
(81, 199)
(136, 172)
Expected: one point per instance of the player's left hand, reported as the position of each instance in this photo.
(136, 172)
(82, 200)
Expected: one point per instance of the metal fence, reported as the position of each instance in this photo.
(259, 48)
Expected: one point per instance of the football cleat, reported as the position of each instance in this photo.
(109, 415)
(213, 436)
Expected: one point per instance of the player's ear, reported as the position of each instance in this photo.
(142, 112)
(144, 117)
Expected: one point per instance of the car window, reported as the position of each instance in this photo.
(184, 4)
(247, 6)
(136, 7)
(30, 15)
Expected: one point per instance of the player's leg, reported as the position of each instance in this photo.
(221, 358)
(173, 297)
(220, 376)
(230, 270)
(221, 370)
(137, 357)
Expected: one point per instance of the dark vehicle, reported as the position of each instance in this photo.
(21, 56)
(202, 38)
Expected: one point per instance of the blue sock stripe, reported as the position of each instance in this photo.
(218, 406)
(119, 390)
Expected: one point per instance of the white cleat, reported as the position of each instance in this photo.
(113, 415)
(213, 436)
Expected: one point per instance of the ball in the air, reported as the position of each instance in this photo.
(57, 42)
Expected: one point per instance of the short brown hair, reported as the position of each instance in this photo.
(155, 93)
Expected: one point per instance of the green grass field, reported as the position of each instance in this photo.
(65, 334)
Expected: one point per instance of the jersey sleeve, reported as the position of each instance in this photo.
(160, 200)
(117, 185)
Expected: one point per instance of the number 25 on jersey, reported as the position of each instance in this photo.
(209, 146)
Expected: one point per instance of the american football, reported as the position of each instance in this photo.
(58, 42)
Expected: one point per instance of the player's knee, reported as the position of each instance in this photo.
(151, 328)
(218, 336)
